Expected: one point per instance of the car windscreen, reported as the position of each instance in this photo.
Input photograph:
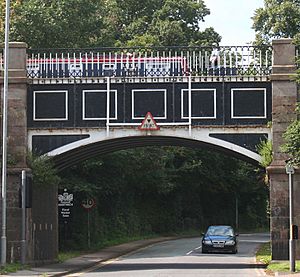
(220, 231)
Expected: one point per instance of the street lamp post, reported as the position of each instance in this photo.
(290, 171)
(4, 134)
(236, 212)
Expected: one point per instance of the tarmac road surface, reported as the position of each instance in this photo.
(183, 257)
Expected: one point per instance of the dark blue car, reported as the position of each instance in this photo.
(219, 239)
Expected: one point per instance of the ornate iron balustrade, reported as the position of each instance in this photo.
(150, 62)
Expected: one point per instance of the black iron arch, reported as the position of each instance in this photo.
(72, 157)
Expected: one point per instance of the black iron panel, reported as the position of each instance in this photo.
(248, 102)
(90, 111)
(150, 100)
(50, 105)
(251, 108)
(246, 109)
(140, 98)
(203, 103)
(248, 141)
(95, 102)
(42, 144)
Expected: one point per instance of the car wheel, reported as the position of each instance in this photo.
(234, 251)
(204, 251)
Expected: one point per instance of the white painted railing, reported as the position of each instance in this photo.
(155, 62)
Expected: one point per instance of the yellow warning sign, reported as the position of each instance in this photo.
(148, 123)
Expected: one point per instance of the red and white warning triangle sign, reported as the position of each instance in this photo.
(148, 123)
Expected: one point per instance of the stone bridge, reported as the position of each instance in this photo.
(73, 106)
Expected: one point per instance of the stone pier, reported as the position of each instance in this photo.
(284, 98)
(41, 219)
(16, 144)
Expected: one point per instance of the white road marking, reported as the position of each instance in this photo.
(190, 252)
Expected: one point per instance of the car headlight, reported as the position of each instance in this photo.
(230, 242)
(207, 242)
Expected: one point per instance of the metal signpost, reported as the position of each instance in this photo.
(23, 233)
(88, 204)
(236, 212)
(4, 135)
(290, 171)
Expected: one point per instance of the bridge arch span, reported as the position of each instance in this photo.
(83, 149)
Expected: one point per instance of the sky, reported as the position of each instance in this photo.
(232, 20)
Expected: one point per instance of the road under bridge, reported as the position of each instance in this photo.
(72, 106)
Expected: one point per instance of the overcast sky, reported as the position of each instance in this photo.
(232, 19)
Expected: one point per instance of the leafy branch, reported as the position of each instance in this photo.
(265, 151)
(43, 170)
(292, 139)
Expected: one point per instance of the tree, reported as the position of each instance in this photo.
(292, 138)
(164, 23)
(64, 23)
(165, 189)
(99, 23)
(278, 19)
(43, 170)
(13, 5)
(265, 151)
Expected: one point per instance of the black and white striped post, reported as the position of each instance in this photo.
(290, 171)
(23, 227)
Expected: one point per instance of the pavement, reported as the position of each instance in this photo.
(89, 260)
(282, 274)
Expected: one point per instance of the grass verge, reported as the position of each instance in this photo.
(66, 255)
(263, 255)
(10, 268)
(282, 266)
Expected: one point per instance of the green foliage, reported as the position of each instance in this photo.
(277, 19)
(292, 139)
(282, 267)
(43, 170)
(263, 255)
(98, 23)
(281, 19)
(66, 255)
(10, 268)
(161, 190)
(265, 151)
(152, 22)
(65, 23)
